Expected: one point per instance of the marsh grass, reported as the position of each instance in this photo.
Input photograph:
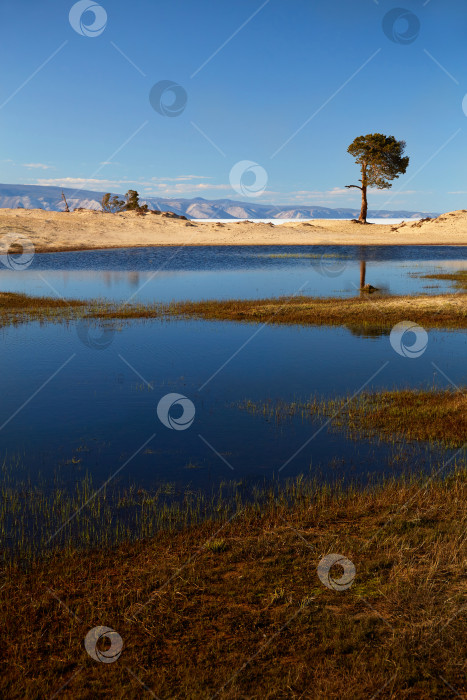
(40, 519)
(232, 607)
(19, 308)
(360, 314)
(411, 414)
(42, 516)
(459, 278)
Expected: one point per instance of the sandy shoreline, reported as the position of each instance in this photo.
(88, 230)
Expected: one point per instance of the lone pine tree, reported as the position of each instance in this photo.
(381, 159)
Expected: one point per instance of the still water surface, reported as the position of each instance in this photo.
(68, 409)
(167, 273)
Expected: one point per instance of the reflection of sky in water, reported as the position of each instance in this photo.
(163, 274)
(100, 411)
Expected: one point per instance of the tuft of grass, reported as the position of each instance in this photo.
(193, 465)
(217, 545)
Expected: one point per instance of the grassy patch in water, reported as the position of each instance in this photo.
(459, 278)
(411, 414)
(235, 609)
(361, 314)
(21, 308)
(18, 308)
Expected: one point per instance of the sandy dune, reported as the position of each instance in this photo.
(81, 230)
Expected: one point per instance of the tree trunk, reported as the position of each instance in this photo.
(364, 209)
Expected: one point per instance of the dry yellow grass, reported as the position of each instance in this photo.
(361, 314)
(241, 613)
(358, 313)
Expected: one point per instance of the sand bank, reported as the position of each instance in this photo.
(86, 230)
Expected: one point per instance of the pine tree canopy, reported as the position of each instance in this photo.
(381, 157)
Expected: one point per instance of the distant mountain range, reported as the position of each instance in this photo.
(50, 199)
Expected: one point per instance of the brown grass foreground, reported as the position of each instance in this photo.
(364, 313)
(238, 611)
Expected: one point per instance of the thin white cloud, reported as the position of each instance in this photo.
(38, 166)
(199, 186)
(182, 188)
(181, 178)
(82, 182)
(167, 186)
(335, 192)
(384, 193)
(341, 192)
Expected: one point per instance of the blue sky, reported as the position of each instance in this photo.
(288, 88)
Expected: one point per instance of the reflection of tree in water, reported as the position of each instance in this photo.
(111, 277)
(364, 287)
(389, 253)
(362, 273)
(361, 331)
(362, 254)
(133, 278)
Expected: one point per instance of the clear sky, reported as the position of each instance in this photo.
(286, 84)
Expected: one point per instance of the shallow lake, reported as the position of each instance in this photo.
(167, 273)
(75, 401)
